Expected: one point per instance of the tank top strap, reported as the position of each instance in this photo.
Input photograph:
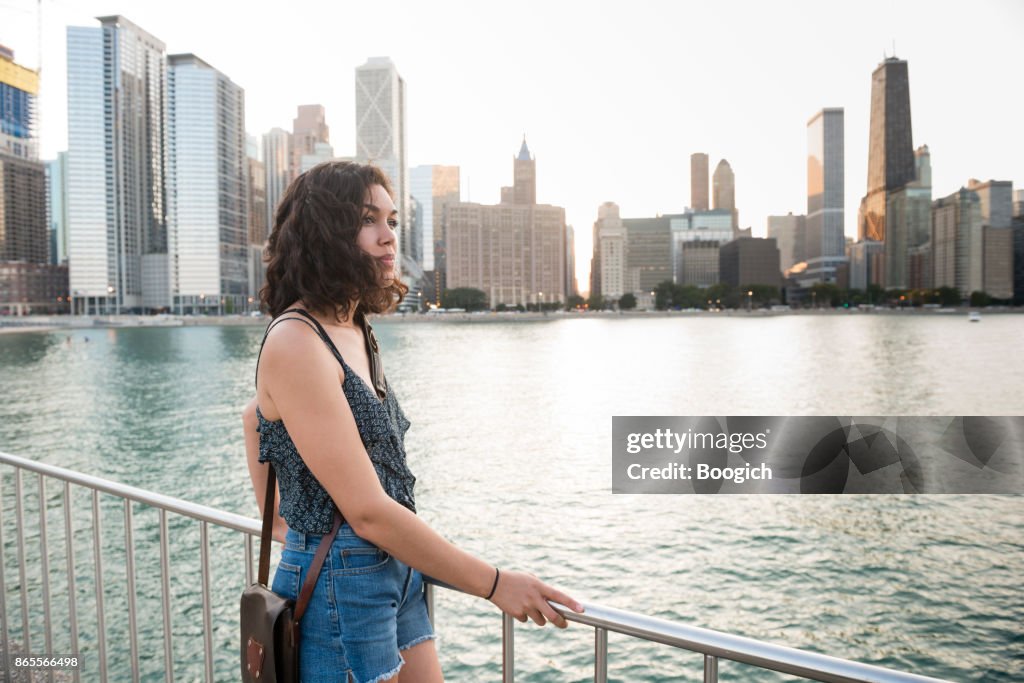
(307, 319)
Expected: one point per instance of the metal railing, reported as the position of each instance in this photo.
(713, 645)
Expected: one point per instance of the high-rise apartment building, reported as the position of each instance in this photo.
(277, 154)
(648, 253)
(690, 264)
(571, 288)
(309, 129)
(699, 181)
(57, 208)
(788, 232)
(747, 261)
(256, 177)
(891, 164)
(432, 188)
(28, 281)
(207, 188)
(514, 252)
(19, 88)
(996, 199)
(825, 186)
(610, 236)
(117, 94)
(958, 242)
(380, 137)
(724, 192)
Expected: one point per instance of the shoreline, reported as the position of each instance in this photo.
(70, 324)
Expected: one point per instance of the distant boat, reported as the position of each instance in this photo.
(974, 317)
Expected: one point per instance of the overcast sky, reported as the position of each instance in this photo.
(612, 96)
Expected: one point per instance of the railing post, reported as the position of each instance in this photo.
(165, 590)
(710, 669)
(600, 655)
(69, 537)
(44, 555)
(204, 556)
(97, 557)
(6, 632)
(507, 649)
(129, 552)
(19, 515)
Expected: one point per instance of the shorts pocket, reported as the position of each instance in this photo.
(362, 560)
(287, 580)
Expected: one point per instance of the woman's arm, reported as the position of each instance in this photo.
(300, 378)
(258, 471)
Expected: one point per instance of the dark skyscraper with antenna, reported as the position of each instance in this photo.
(890, 155)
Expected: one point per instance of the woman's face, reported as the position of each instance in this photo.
(377, 234)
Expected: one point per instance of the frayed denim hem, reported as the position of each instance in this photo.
(389, 674)
(417, 641)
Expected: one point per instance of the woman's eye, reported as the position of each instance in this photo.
(368, 219)
(393, 224)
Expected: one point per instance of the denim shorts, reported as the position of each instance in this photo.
(366, 607)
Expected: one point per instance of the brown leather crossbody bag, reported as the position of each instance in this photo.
(270, 622)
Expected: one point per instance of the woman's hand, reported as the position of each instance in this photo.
(523, 596)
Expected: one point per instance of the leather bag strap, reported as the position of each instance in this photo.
(318, 560)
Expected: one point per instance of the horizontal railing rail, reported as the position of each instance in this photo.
(713, 645)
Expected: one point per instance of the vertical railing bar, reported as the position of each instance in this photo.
(508, 663)
(207, 621)
(45, 557)
(72, 608)
(97, 552)
(6, 633)
(600, 655)
(429, 590)
(248, 560)
(165, 581)
(19, 515)
(129, 551)
(710, 669)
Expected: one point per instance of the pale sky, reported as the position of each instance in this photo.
(612, 96)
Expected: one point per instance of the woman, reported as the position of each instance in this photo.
(331, 261)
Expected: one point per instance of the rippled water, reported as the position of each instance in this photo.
(511, 442)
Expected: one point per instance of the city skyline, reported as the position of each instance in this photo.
(634, 148)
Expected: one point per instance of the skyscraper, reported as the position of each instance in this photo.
(890, 162)
(57, 211)
(825, 186)
(256, 176)
(28, 281)
(19, 87)
(514, 252)
(277, 155)
(207, 178)
(117, 93)
(996, 198)
(380, 136)
(789, 232)
(432, 187)
(309, 129)
(958, 242)
(724, 194)
(699, 181)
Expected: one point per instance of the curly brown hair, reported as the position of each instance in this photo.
(312, 255)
